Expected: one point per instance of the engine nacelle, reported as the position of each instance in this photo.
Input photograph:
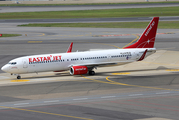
(78, 70)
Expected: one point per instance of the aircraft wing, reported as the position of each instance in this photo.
(104, 64)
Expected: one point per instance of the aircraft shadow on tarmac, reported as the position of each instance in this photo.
(139, 80)
(63, 74)
(155, 79)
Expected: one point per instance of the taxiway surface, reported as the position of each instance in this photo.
(6, 9)
(86, 20)
(146, 90)
(142, 90)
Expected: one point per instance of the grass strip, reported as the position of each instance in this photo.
(162, 24)
(10, 35)
(108, 13)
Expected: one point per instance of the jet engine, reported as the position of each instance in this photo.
(78, 70)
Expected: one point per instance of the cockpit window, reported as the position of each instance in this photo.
(12, 63)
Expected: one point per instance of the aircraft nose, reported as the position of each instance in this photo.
(5, 68)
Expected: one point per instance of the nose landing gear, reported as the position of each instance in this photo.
(18, 77)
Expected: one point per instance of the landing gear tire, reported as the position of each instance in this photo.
(18, 77)
(91, 73)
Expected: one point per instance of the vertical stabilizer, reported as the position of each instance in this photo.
(147, 39)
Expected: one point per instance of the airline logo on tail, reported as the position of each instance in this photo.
(150, 28)
(147, 39)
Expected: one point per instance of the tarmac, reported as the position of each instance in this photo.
(143, 90)
(146, 90)
(78, 1)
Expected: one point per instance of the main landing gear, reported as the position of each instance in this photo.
(91, 73)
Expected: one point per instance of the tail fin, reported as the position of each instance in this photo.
(70, 48)
(147, 39)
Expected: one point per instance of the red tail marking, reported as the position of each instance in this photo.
(70, 48)
(147, 39)
(143, 56)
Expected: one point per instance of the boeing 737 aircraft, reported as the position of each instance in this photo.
(79, 63)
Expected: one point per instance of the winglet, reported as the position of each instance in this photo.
(70, 48)
(147, 39)
(143, 56)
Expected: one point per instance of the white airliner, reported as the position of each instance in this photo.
(84, 62)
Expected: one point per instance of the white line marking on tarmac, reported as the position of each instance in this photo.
(162, 92)
(135, 94)
(80, 99)
(21, 104)
(51, 101)
(108, 96)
